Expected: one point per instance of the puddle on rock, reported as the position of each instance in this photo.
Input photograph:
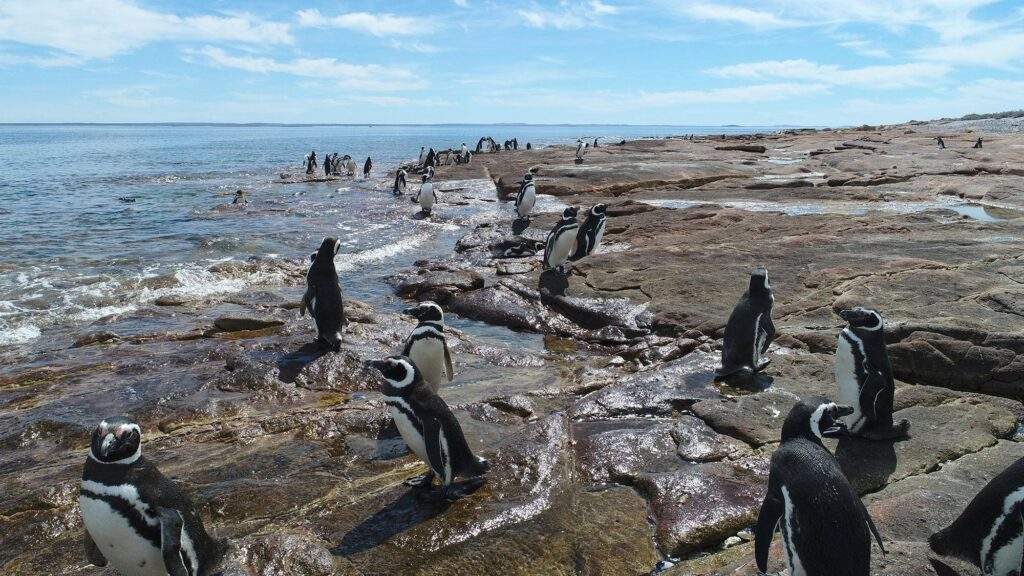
(979, 212)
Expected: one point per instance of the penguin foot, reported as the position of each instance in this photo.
(724, 373)
(453, 492)
(763, 365)
(421, 481)
(898, 431)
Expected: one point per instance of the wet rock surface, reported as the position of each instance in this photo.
(612, 447)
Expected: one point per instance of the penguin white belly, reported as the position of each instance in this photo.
(426, 197)
(413, 438)
(759, 338)
(562, 248)
(1007, 558)
(796, 567)
(428, 355)
(845, 367)
(598, 236)
(528, 202)
(125, 551)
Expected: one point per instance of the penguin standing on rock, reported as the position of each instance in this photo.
(426, 197)
(427, 347)
(429, 429)
(750, 329)
(942, 143)
(561, 242)
(581, 149)
(990, 531)
(864, 375)
(527, 197)
(400, 184)
(323, 297)
(826, 530)
(136, 519)
(591, 232)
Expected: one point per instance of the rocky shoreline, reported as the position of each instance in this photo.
(613, 450)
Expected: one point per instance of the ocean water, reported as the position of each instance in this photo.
(72, 253)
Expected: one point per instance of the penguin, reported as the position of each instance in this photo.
(350, 165)
(527, 197)
(826, 530)
(589, 236)
(311, 162)
(978, 143)
(240, 197)
(136, 519)
(864, 375)
(429, 428)
(749, 330)
(581, 148)
(423, 155)
(990, 530)
(427, 347)
(323, 295)
(529, 146)
(366, 167)
(942, 143)
(400, 184)
(426, 197)
(561, 241)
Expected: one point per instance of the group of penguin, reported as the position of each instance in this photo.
(567, 240)
(426, 196)
(140, 523)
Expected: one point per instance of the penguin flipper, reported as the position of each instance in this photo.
(871, 526)
(448, 361)
(437, 454)
(170, 541)
(307, 298)
(92, 552)
(767, 521)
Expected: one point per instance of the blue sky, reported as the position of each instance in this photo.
(806, 62)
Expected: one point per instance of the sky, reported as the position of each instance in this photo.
(683, 62)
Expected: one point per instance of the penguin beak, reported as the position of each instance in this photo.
(375, 364)
(843, 410)
(411, 311)
(851, 315)
(838, 428)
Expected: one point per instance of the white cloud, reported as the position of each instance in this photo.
(570, 15)
(998, 51)
(735, 14)
(371, 77)
(51, 61)
(417, 47)
(462, 3)
(890, 76)
(132, 97)
(105, 28)
(375, 24)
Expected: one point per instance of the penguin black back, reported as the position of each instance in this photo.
(591, 232)
(323, 295)
(826, 531)
(750, 329)
(989, 531)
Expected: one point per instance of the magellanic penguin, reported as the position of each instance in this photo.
(750, 329)
(426, 197)
(136, 519)
(826, 531)
(864, 375)
(400, 184)
(427, 347)
(527, 197)
(429, 428)
(990, 531)
(323, 297)
(367, 166)
(591, 232)
(561, 242)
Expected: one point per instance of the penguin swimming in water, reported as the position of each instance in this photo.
(323, 295)
(589, 236)
(400, 184)
(136, 519)
(826, 530)
(561, 240)
(864, 375)
(750, 329)
(427, 347)
(366, 167)
(527, 197)
(990, 530)
(426, 197)
(429, 428)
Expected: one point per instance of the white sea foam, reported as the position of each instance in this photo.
(348, 262)
(18, 334)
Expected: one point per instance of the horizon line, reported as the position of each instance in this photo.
(388, 124)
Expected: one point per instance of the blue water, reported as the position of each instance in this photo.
(71, 252)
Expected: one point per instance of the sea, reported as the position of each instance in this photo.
(98, 221)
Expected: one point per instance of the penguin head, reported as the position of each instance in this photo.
(116, 440)
(759, 281)
(427, 311)
(599, 209)
(862, 319)
(570, 213)
(399, 371)
(328, 249)
(814, 419)
(528, 177)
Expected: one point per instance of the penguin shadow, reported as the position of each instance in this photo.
(289, 365)
(868, 464)
(421, 215)
(553, 282)
(413, 507)
(519, 225)
(744, 382)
